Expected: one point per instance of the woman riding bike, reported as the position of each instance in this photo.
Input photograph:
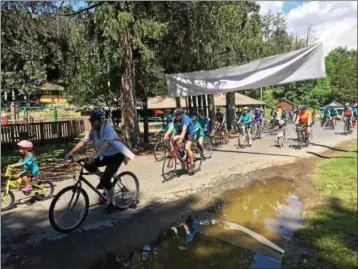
(245, 118)
(184, 131)
(110, 152)
(27, 160)
(258, 117)
(204, 122)
(199, 132)
(348, 115)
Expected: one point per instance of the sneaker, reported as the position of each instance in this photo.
(27, 188)
(110, 208)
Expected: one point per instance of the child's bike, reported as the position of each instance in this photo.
(41, 189)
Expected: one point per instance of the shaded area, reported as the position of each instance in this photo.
(328, 157)
(332, 148)
(255, 153)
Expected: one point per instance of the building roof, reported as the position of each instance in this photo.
(334, 103)
(287, 101)
(51, 87)
(160, 102)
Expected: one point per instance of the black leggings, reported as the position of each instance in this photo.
(112, 164)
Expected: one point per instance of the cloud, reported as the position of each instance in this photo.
(332, 22)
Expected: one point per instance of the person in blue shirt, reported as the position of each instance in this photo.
(185, 130)
(167, 122)
(245, 118)
(27, 160)
(199, 132)
(204, 122)
(325, 115)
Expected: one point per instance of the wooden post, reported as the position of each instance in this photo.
(204, 104)
(189, 99)
(195, 106)
(42, 136)
(200, 102)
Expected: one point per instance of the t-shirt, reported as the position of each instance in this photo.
(204, 122)
(304, 116)
(185, 121)
(347, 112)
(333, 112)
(165, 127)
(258, 115)
(108, 134)
(245, 118)
(354, 111)
(30, 165)
(326, 112)
(199, 130)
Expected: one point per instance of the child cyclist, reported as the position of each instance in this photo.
(27, 160)
(199, 132)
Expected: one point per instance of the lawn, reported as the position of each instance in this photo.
(330, 231)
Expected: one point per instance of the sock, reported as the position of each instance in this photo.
(111, 196)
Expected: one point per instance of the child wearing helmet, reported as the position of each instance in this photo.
(27, 160)
(199, 132)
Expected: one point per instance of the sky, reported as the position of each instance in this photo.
(333, 22)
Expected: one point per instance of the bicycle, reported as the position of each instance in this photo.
(76, 191)
(256, 132)
(224, 138)
(347, 129)
(177, 152)
(41, 189)
(161, 149)
(330, 123)
(207, 150)
(243, 139)
(302, 139)
(281, 136)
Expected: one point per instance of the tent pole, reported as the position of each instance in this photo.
(261, 93)
(204, 104)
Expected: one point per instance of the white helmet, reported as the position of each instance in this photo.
(347, 104)
(25, 144)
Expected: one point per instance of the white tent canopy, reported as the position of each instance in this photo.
(303, 64)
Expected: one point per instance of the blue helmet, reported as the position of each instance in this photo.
(194, 118)
(178, 111)
(96, 114)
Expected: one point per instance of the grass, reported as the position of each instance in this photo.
(331, 231)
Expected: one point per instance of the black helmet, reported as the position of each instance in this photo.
(178, 111)
(97, 114)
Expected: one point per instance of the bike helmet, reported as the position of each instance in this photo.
(96, 114)
(178, 111)
(246, 108)
(167, 118)
(346, 104)
(257, 109)
(303, 107)
(25, 144)
(194, 118)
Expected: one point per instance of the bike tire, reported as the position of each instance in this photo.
(171, 162)
(52, 219)
(136, 192)
(160, 151)
(198, 159)
(42, 197)
(12, 200)
(208, 148)
(242, 141)
(279, 142)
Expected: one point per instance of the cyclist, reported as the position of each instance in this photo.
(305, 117)
(185, 130)
(199, 132)
(167, 122)
(204, 122)
(258, 117)
(221, 120)
(245, 118)
(284, 115)
(326, 116)
(348, 115)
(27, 160)
(110, 152)
(354, 121)
(332, 114)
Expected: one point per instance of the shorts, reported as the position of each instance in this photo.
(190, 137)
(247, 125)
(112, 164)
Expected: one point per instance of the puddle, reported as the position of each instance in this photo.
(247, 230)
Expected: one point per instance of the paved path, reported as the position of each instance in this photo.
(29, 223)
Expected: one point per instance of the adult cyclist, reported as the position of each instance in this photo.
(110, 152)
(221, 120)
(245, 118)
(184, 131)
(325, 115)
(333, 114)
(348, 115)
(204, 122)
(305, 118)
(258, 117)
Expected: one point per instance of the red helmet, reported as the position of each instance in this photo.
(25, 144)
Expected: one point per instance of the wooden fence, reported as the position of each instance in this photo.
(41, 133)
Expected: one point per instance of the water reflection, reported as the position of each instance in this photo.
(247, 229)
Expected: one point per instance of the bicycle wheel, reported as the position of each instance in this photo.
(7, 200)
(254, 132)
(126, 188)
(169, 168)
(242, 141)
(161, 149)
(197, 158)
(46, 194)
(279, 142)
(64, 219)
(208, 149)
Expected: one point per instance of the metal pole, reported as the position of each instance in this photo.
(261, 93)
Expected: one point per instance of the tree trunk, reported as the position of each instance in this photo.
(190, 109)
(230, 109)
(211, 106)
(129, 122)
(146, 125)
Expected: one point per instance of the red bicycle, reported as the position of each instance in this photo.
(178, 155)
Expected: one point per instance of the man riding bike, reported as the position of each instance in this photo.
(245, 118)
(221, 120)
(185, 130)
(305, 118)
(325, 115)
(348, 115)
(110, 152)
(258, 117)
(199, 132)
(332, 114)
